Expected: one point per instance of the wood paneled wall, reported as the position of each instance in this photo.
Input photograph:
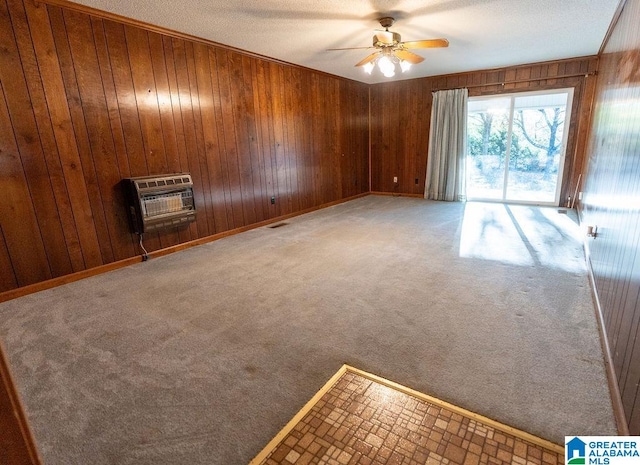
(611, 202)
(86, 101)
(401, 114)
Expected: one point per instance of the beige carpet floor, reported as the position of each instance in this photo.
(202, 356)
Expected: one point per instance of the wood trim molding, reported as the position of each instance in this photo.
(17, 445)
(398, 194)
(612, 380)
(507, 68)
(66, 279)
(459, 410)
(519, 81)
(176, 34)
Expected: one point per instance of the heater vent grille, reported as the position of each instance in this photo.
(160, 202)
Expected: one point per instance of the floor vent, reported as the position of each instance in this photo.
(278, 225)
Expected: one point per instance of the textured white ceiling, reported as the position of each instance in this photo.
(483, 34)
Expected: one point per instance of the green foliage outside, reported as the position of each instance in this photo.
(536, 144)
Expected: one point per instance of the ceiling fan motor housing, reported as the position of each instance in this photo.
(395, 40)
(386, 22)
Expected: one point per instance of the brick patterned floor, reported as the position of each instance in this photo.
(359, 421)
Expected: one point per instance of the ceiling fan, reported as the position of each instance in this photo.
(391, 50)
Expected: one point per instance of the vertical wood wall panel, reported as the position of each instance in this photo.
(46, 121)
(181, 164)
(401, 113)
(16, 43)
(611, 202)
(189, 135)
(167, 118)
(6, 269)
(291, 142)
(146, 98)
(277, 103)
(67, 150)
(65, 63)
(23, 239)
(242, 131)
(214, 189)
(95, 112)
(264, 133)
(228, 134)
(86, 101)
(216, 146)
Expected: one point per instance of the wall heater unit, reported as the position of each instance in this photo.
(159, 202)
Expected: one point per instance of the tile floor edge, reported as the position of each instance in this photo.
(464, 412)
(279, 437)
(299, 416)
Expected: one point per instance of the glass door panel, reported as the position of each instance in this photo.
(537, 147)
(487, 129)
(516, 146)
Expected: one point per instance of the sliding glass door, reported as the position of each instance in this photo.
(516, 146)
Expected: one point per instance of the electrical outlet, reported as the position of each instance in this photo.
(417, 181)
(395, 179)
(273, 199)
(579, 195)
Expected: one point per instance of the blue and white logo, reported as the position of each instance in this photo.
(575, 451)
(602, 450)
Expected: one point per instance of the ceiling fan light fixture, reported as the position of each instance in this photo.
(391, 51)
(386, 66)
(390, 73)
(368, 68)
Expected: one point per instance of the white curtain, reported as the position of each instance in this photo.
(445, 178)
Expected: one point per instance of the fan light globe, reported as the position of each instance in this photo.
(368, 68)
(405, 65)
(386, 66)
